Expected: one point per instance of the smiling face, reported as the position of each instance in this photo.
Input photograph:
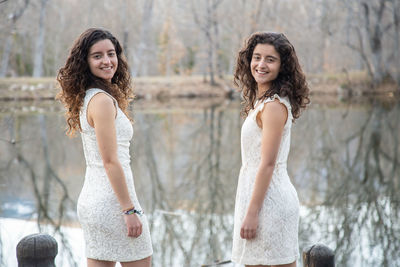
(265, 65)
(102, 60)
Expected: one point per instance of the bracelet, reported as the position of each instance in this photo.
(131, 208)
(132, 211)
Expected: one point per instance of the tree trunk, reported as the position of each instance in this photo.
(125, 33)
(9, 39)
(396, 56)
(210, 57)
(210, 41)
(207, 28)
(39, 46)
(370, 35)
(6, 55)
(255, 20)
(138, 55)
(374, 35)
(326, 33)
(216, 43)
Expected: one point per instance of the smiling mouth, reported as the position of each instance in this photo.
(261, 72)
(107, 68)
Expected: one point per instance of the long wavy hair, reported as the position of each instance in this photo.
(290, 82)
(75, 77)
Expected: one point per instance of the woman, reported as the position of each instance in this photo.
(267, 207)
(95, 85)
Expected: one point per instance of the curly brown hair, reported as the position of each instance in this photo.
(290, 82)
(75, 77)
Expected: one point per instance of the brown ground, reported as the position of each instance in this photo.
(146, 87)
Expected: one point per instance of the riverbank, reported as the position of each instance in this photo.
(28, 88)
(162, 88)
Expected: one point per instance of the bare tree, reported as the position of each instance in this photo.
(8, 43)
(396, 54)
(203, 37)
(125, 34)
(206, 24)
(255, 20)
(39, 44)
(217, 48)
(138, 66)
(367, 27)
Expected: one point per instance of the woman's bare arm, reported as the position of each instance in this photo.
(101, 113)
(273, 118)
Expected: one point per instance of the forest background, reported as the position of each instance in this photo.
(336, 40)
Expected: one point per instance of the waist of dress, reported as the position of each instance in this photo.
(252, 164)
(124, 164)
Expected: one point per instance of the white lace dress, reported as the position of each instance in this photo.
(276, 240)
(99, 211)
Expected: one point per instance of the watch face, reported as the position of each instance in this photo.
(139, 212)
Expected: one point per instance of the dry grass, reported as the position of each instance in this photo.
(164, 87)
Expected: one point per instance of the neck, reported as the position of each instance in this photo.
(261, 90)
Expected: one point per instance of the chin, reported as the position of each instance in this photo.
(263, 82)
(108, 79)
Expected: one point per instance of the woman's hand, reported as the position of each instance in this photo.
(249, 226)
(133, 225)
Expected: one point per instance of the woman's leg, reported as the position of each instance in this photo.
(146, 262)
(293, 264)
(97, 263)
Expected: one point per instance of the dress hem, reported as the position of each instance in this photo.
(120, 260)
(286, 260)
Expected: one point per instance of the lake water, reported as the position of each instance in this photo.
(344, 163)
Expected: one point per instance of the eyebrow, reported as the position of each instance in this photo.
(269, 56)
(98, 52)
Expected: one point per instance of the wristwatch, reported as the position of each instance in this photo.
(132, 211)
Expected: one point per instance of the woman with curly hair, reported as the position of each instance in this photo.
(95, 89)
(274, 89)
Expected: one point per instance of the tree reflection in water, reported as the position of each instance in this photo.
(193, 174)
(359, 210)
(34, 173)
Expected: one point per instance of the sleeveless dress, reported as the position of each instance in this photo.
(276, 240)
(99, 211)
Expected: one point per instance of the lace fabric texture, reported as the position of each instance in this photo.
(99, 211)
(276, 241)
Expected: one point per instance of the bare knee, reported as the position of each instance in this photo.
(98, 263)
(146, 262)
(293, 264)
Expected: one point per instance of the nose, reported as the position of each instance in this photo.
(106, 60)
(262, 63)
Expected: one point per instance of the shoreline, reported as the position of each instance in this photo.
(188, 87)
(160, 88)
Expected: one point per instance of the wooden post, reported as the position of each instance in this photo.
(37, 250)
(318, 255)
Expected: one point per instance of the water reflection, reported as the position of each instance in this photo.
(179, 155)
(186, 158)
(355, 165)
(32, 189)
